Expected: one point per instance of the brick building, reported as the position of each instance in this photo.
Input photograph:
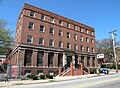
(46, 41)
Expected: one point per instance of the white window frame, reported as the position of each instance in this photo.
(51, 42)
(60, 22)
(42, 40)
(60, 32)
(93, 50)
(82, 48)
(31, 39)
(61, 44)
(69, 46)
(87, 39)
(43, 28)
(52, 20)
(50, 30)
(81, 38)
(33, 13)
(68, 25)
(32, 26)
(41, 16)
(81, 29)
(75, 46)
(68, 35)
(88, 50)
(75, 36)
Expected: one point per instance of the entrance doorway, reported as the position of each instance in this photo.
(69, 60)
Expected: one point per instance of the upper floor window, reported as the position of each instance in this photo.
(75, 27)
(68, 35)
(92, 33)
(29, 39)
(42, 17)
(68, 46)
(82, 48)
(51, 19)
(60, 32)
(51, 43)
(60, 44)
(75, 47)
(75, 36)
(31, 26)
(87, 40)
(32, 13)
(51, 30)
(92, 50)
(41, 41)
(92, 41)
(68, 25)
(87, 49)
(42, 28)
(87, 31)
(81, 29)
(81, 38)
(60, 22)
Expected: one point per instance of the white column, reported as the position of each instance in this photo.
(64, 59)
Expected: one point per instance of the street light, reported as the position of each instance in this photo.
(113, 38)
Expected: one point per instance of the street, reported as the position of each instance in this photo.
(108, 81)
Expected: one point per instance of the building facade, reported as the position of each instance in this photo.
(46, 41)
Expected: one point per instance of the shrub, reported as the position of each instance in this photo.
(35, 78)
(42, 76)
(92, 71)
(30, 76)
(50, 77)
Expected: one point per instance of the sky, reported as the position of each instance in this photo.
(102, 15)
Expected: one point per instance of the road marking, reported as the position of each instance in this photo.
(96, 83)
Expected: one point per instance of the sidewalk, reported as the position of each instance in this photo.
(56, 79)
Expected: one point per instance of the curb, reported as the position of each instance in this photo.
(54, 80)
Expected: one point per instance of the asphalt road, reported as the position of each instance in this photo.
(108, 81)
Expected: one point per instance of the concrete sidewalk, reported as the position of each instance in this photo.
(56, 79)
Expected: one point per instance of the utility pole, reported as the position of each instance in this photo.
(113, 38)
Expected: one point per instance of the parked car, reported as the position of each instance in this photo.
(104, 70)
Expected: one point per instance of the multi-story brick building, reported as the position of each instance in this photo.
(46, 41)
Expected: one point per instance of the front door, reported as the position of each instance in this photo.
(69, 60)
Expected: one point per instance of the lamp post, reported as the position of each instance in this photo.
(113, 38)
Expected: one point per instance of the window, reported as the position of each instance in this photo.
(60, 32)
(68, 35)
(29, 39)
(42, 17)
(51, 30)
(68, 25)
(92, 50)
(51, 19)
(68, 46)
(81, 38)
(87, 40)
(41, 41)
(60, 44)
(81, 29)
(60, 22)
(92, 41)
(75, 47)
(82, 48)
(87, 49)
(92, 33)
(42, 28)
(40, 58)
(51, 43)
(32, 13)
(75, 36)
(75, 27)
(88, 61)
(31, 26)
(87, 31)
